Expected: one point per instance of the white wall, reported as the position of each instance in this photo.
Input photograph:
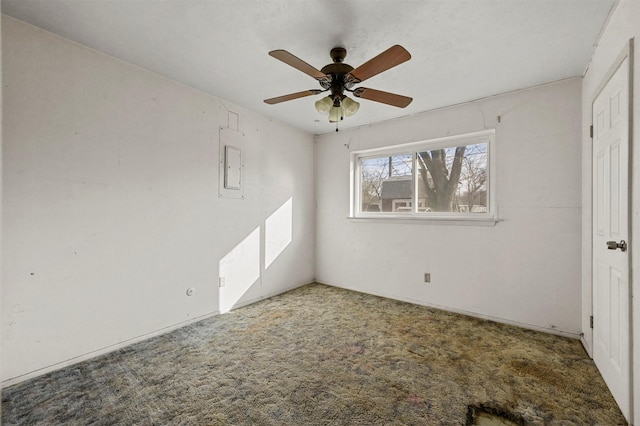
(111, 208)
(622, 26)
(525, 270)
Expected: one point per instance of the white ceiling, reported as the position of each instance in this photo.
(461, 50)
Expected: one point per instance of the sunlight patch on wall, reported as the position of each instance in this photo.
(239, 270)
(278, 232)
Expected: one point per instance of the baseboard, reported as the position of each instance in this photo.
(268, 295)
(527, 326)
(120, 345)
(586, 347)
(102, 351)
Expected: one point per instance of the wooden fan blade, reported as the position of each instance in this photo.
(292, 96)
(395, 55)
(298, 64)
(383, 97)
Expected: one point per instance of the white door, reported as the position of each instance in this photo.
(611, 320)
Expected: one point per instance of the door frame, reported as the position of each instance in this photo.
(626, 53)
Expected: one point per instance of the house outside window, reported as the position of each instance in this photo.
(447, 178)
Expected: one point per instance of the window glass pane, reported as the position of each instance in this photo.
(453, 179)
(386, 183)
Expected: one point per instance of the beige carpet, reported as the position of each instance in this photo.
(324, 356)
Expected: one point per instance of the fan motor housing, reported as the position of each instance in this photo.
(337, 68)
(336, 71)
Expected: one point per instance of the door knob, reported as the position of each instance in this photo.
(612, 245)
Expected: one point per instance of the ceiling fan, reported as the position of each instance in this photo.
(339, 78)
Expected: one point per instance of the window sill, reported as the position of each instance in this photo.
(421, 220)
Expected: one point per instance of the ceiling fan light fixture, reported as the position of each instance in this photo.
(350, 106)
(324, 105)
(340, 77)
(335, 115)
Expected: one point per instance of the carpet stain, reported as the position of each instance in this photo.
(539, 371)
(321, 355)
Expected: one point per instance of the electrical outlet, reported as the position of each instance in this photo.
(221, 282)
(427, 277)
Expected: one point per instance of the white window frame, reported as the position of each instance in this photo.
(487, 136)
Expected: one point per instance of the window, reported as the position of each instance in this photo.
(447, 178)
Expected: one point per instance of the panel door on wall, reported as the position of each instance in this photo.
(611, 301)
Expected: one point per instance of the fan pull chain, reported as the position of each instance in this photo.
(341, 116)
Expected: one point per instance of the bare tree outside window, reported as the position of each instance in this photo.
(450, 179)
(454, 179)
(474, 178)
